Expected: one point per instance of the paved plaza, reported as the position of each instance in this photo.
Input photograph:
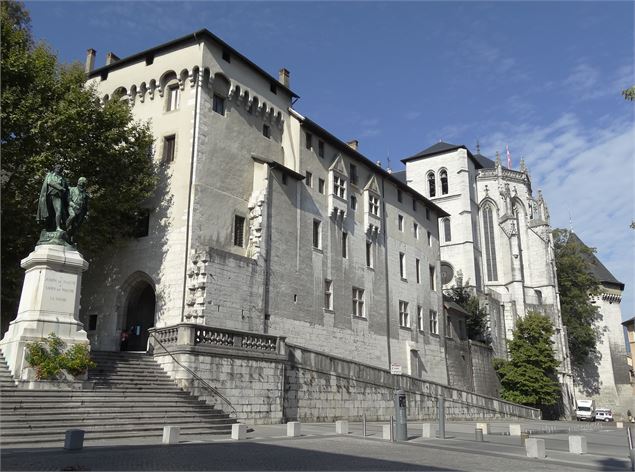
(319, 448)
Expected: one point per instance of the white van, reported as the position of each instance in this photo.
(603, 414)
(585, 410)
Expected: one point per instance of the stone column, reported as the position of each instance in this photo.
(49, 302)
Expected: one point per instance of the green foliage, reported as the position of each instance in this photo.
(530, 376)
(49, 358)
(577, 285)
(629, 93)
(476, 321)
(49, 115)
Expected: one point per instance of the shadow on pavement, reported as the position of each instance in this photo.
(218, 456)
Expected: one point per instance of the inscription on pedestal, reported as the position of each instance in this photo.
(59, 292)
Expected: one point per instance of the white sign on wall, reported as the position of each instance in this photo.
(395, 368)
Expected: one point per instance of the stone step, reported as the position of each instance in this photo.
(101, 404)
(109, 416)
(89, 394)
(9, 429)
(60, 413)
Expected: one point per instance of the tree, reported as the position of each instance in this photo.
(49, 115)
(629, 93)
(529, 376)
(577, 286)
(476, 321)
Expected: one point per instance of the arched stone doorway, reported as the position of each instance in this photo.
(139, 315)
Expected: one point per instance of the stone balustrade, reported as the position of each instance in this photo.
(189, 334)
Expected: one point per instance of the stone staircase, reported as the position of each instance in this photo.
(132, 398)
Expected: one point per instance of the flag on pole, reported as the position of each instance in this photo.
(509, 157)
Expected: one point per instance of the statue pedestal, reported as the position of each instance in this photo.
(49, 303)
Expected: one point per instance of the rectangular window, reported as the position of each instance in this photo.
(218, 104)
(141, 223)
(308, 179)
(419, 318)
(418, 270)
(433, 284)
(414, 204)
(404, 317)
(427, 213)
(448, 327)
(373, 205)
(358, 302)
(284, 179)
(415, 230)
(344, 244)
(352, 175)
(353, 202)
(308, 140)
(339, 186)
(434, 322)
(173, 97)
(239, 231)
(169, 148)
(399, 196)
(321, 148)
(317, 236)
(400, 222)
(226, 56)
(369, 254)
(92, 322)
(274, 88)
(266, 131)
(328, 294)
(402, 265)
(429, 239)
(321, 186)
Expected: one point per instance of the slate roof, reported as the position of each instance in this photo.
(441, 148)
(485, 162)
(452, 305)
(401, 175)
(597, 268)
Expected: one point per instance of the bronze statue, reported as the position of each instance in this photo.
(60, 209)
(77, 208)
(52, 204)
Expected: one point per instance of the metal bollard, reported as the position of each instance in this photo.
(478, 434)
(441, 414)
(364, 425)
(392, 429)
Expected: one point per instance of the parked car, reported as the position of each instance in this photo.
(603, 414)
(585, 410)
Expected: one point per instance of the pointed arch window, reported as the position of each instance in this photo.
(443, 176)
(432, 189)
(490, 246)
(447, 230)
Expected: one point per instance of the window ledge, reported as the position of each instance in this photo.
(360, 318)
(435, 335)
(370, 268)
(327, 310)
(318, 250)
(405, 328)
(403, 279)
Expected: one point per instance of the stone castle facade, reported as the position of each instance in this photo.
(265, 222)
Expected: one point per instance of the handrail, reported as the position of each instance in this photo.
(205, 384)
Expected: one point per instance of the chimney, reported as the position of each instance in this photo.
(353, 144)
(283, 77)
(378, 163)
(111, 58)
(90, 60)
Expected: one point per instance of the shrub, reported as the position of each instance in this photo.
(49, 359)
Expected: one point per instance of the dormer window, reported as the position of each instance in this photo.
(373, 205)
(339, 186)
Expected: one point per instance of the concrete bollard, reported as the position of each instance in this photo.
(239, 431)
(294, 428)
(478, 435)
(484, 427)
(515, 430)
(387, 433)
(341, 427)
(171, 434)
(428, 431)
(74, 439)
(619, 424)
(535, 448)
(577, 444)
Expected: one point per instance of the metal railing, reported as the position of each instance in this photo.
(205, 385)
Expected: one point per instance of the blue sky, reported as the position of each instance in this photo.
(542, 77)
